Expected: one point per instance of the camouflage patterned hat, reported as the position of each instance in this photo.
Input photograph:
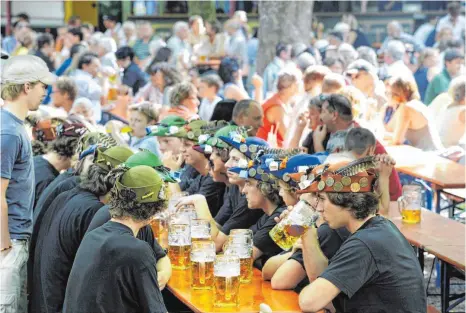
(141, 184)
(110, 158)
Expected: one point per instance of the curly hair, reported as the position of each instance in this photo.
(180, 92)
(38, 147)
(64, 146)
(96, 181)
(361, 205)
(271, 192)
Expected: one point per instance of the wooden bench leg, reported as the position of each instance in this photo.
(444, 286)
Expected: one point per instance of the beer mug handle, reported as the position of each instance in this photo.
(202, 272)
(228, 288)
(401, 204)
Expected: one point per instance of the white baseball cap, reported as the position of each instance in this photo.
(26, 69)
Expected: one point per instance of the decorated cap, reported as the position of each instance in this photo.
(141, 184)
(68, 129)
(167, 127)
(200, 131)
(45, 130)
(207, 143)
(150, 159)
(94, 138)
(355, 176)
(247, 146)
(109, 158)
(256, 169)
(283, 168)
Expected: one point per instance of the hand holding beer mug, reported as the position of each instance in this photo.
(290, 228)
(200, 230)
(409, 204)
(226, 280)
(202, 264)
(179, 245)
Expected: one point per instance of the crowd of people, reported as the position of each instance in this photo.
(100, 129)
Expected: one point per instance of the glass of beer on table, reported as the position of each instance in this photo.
(202, 264)
(174, 198)
(410, 204)
(244, 252)
(226, 281)
(179, 244)
(289, 230)
(159, 227)
(200, 230)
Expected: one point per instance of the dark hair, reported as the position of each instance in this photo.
(23, 16)
(228, 66)
(316, 102)
(124, 52)
(44, 39)
(162, 55)
(76, 31)
(361, 205)
(280, 47)
(86, 58)
(223, 111)
(271, 192)
(242, 107)
(96, 181)
(359, 139)
(212, 80)
(38, 147)
(77, 48)
(340, 104)
(216, 26)
(64, 146)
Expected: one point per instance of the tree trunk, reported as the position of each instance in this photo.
(282, 21)
(206, 9)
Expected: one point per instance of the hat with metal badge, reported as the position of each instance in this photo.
(356, 176)
(147, 158)
(247, 146)
(94, 138)
(168, 127)
(208, 142)
(282, 168)
(109, 158)
(142, 184)
(200, 130)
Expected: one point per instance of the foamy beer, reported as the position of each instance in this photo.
(289, 230)
(200, 230)
(226, 280)
(159, 227)
(202, 264)
(174, 199)
(189, 211)
(239, 236)
(409, 204)
(244, 252)
(179, 245)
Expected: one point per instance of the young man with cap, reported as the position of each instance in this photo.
(122, 276)
(24, 85)
(102, 216)
(58, 157)
(376, 268)
(63, 227)
(454, 62)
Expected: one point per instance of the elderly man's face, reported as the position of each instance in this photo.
(253, 117)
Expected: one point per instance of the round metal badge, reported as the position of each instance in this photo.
(329, 181)
(355, 187)
(364, 182)
(243, 148)
(321, 185)
(338, 186)
(346, 181)
(252, 172)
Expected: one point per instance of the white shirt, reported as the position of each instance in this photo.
(207, 108)
(90, 89)
(458, 27)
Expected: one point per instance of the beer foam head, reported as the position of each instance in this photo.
(226, 270)
(202, 256)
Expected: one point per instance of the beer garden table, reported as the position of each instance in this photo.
(437, 235)
(440, 172)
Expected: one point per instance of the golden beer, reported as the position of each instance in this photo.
(158, 227)
(226, 291)
(286, 236)
(411, 216)
(245, 270)
(112, 94)
(202, 274)
(179, 256)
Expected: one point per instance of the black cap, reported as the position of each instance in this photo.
(452, 54)
(336, 34)
(110, 18)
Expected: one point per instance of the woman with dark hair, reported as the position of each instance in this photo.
(163, 55)
(230, 73)
(162, 78)
(122, 276)
(223, 110)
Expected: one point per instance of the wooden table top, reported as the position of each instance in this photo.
(251, 295)
(440, 171)
(438, 235)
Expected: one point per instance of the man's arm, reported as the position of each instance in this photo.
(315, 261)
(318, 295)
(164, 271)
(5, 241)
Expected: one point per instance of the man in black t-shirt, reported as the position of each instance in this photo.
(63, 226)
(375, 269)
(122, 276)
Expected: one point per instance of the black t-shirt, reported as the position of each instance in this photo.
(226, 209)
(330, 240)
(309, 143)
(261, 237)
(121, 276)
(241, 216)
(376, 270)
(145, 233)
(211, 190)
(188, 174)
(62, 229)
(44, 174)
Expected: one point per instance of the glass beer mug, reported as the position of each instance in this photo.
(174, 198)
(409, 204)
(287, 232)
(202, 264)
(244, 252)
(159, 227)
(200, 230)
(179, 245)
(226, 281)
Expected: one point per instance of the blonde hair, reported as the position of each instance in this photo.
(146, 108)
(13, 91)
